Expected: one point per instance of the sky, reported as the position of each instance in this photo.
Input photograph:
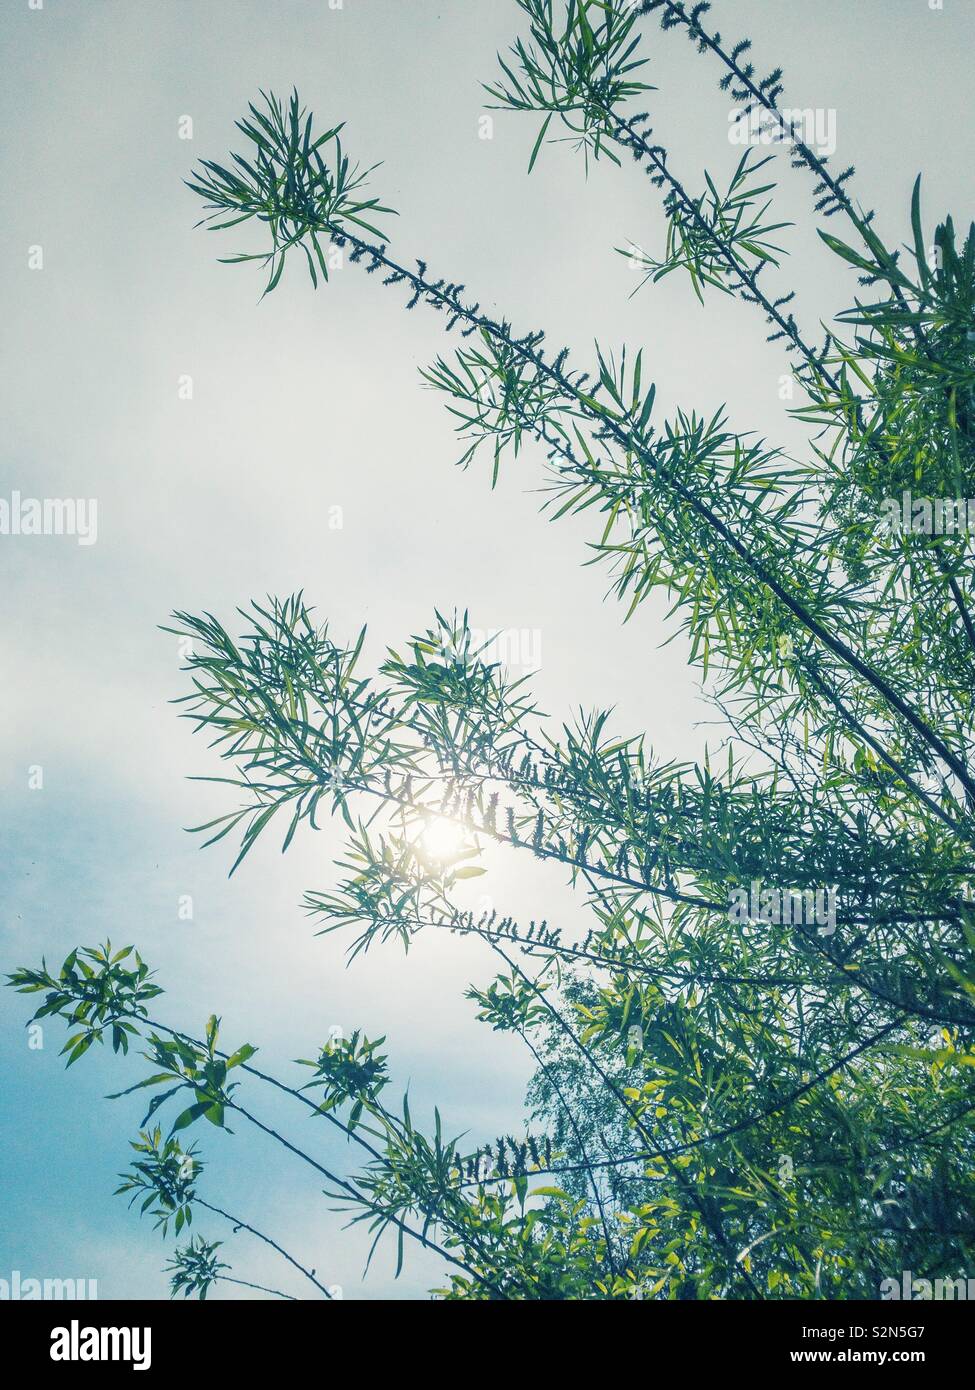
(222, 438)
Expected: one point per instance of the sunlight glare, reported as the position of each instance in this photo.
(442, 839)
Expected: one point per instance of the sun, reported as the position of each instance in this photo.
(442, 839)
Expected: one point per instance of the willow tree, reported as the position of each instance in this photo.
(754, 1070)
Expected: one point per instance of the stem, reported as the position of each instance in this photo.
(776, 1106)
(626, 439)
(627, 134)
(540, 1062)
(245, 1283)
(352, 1190)
(360, 1199)
(238, 1224)
(710, 1218)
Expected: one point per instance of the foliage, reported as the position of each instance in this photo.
(732, 1104)
(195, 1268)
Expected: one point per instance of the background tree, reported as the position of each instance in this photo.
(728, 1104)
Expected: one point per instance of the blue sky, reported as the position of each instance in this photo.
(300, 404)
